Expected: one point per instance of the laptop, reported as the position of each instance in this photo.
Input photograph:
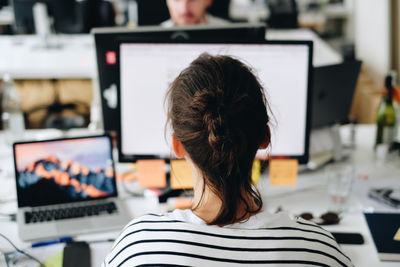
(333, 91)
(66, 187)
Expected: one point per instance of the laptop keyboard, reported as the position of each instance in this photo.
(70, 212)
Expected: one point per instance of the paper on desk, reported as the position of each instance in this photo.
(181, 175)
(151, 173)
(55, 260)
(362, 187)
(51, 256)
(283, 171)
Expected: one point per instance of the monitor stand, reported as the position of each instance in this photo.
(325, 146)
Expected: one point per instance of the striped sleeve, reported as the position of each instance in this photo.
(155, 240)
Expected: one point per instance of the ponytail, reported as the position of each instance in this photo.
(218, 112)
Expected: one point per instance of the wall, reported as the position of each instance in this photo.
(373, 37)
(396, 36)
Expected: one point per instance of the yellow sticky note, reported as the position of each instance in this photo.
(397, 235)
(151, 173)
(181, 175)
(255, 171)
(283, 171)
(55, 260)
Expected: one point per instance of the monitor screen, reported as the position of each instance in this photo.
(63, 13)
(68, 16)
(147, 69)
(55, 171)
(106, 41)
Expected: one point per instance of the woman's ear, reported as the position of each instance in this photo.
(178, 148)
(267, 139)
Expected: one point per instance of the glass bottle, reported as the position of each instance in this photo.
(396, 103)
(13, 120)
(386, 116)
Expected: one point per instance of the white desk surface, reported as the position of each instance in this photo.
(323, 53)
(25, 57)
(308, 195)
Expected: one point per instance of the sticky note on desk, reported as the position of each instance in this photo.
(183, 203)
(283, 171)
(55, 261)
(397, 235)
(256, 171)
(181, 175)
(151, 173)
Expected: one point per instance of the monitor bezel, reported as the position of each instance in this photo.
(302, 159)
(106, 39)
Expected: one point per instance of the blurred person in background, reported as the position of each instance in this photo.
(186, 12)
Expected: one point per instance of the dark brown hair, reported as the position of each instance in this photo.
(217, 110)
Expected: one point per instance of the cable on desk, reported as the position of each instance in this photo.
(23, 252)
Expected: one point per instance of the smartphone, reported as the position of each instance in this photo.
(348, 238)
(76, 254)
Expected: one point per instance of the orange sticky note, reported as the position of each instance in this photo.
(183, 203)
(283, 171)
(151, 173)
(181, 175)
(397, 235)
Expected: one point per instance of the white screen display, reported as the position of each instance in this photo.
(146, 71)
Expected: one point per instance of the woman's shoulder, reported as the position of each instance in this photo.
(151, 220)
(179, 235)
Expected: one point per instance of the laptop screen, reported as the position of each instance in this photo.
(64, 170)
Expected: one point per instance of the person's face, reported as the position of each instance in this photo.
(185, 12)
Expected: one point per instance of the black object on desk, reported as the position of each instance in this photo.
(384, 227)
(76, 254)
(348, 238)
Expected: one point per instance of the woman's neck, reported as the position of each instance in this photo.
(207, 204)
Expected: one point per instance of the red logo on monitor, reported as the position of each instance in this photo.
(111, 57)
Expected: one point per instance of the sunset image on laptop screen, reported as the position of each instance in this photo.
(64, 170)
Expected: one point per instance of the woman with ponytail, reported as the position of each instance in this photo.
(220, 118)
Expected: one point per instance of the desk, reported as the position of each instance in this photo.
(69, 56)
(308, 195)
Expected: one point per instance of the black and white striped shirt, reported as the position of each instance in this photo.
(181, 238)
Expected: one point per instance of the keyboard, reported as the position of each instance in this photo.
(45, 215)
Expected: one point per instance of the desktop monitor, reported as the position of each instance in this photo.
(69, 16)
(62, 11)
(333, 91)
(23, 16)
(106, 41)
(147, 69)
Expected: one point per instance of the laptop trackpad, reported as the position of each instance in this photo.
(73, 226)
